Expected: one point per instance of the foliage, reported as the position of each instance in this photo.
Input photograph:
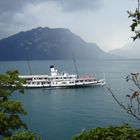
(24, 135)
(123, 132)
(135, 22)
(9, 83)
(11, 110)
(133, 106)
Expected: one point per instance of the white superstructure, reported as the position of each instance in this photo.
(57, 79)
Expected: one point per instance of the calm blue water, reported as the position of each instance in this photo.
(58, 114)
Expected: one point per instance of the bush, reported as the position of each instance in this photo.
(24, 135)
(123, 132)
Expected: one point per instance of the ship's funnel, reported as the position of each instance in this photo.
(53, 70)
(52, 66)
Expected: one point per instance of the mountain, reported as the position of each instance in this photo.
(45, 44)
(130, 50)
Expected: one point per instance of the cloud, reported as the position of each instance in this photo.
(11, 5)
(78, 5)
(67, 5)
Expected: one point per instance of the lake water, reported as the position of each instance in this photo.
(58, 114)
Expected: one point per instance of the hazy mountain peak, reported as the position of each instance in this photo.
(130, 50)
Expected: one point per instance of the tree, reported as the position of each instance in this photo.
(23, 135)
(135, 21)
(11, 110)
(123, 132)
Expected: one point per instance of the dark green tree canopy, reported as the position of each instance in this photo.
(123, 132)
(12, 110)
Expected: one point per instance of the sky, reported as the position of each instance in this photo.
(104, 22)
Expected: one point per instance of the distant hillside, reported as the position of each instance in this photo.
(45, 44)
(130, 50)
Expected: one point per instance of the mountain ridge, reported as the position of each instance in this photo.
(44, 43)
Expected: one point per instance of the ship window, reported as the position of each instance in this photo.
(29, 78)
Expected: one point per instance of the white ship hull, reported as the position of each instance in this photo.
(57, 80)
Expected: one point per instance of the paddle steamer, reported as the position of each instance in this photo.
(59, 80)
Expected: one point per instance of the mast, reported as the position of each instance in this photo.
(75, 65)
(30, 70)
